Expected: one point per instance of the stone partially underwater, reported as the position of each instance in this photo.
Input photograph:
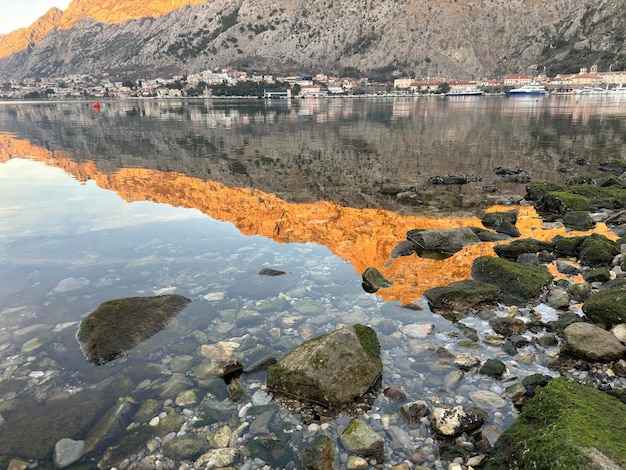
(116, 326)
(333, 369)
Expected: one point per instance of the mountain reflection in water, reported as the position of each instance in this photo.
(362, 236)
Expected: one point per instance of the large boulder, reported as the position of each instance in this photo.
(116, 326)
(588, 342)
(608, 305)
(565, 425)
(462, 294)
(334, 368)
(520, 280)
(432, 242)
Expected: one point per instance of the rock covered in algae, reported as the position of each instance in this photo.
(118, 325)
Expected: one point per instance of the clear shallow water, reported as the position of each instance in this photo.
(155, 197)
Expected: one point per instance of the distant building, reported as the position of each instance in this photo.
(277, 93)
(402, 83)
(517, 79)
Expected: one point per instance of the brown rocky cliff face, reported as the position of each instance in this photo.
(105, 11)
(405, 37)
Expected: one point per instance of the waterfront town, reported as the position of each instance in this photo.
(204, 84)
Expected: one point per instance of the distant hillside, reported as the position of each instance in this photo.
(459, 38)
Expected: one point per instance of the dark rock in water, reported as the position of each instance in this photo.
(527, 258)
(334, 369)
(590, 343)
(597, 275)
(445, 242)
(514, 249)
(261, 364)
(413, 412)
(578, 220)
(185, 447)
(493, 219)
(319, 455)
(488, 236)
(518, 178)
(394, 393)
(454, 179)
(580, 291)
(116, 326)
(566, 425)
(462, 294)
(502, 171)
(489, 189)
(580, 161)
(507, 326)
(404, 248)
(373, 280)
(502, 222)
(110, 426)
(493, 368)
(521, 280)
(274, 452)
(271, 272)
(613, 166)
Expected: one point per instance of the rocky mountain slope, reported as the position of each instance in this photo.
(459, 38)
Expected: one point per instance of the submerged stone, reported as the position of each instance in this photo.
(360, 438)
(116, 326)
(374, 280)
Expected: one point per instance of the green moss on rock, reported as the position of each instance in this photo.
(368, 339)
(607, 306)
(536, 189)
(598, 250)
(527, 245)
(520, 280)
(566, 425)
(118, 325)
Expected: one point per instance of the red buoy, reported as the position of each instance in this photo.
(96, 106)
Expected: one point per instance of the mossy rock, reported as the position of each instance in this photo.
(521, 280)
(512, 250)
(609, 197)
(462, 294)
(578, 220)
(607, 306)
(562, 202)
(597, 275)
(613, 166)
(537, 189)
(116, 326)
(565, 425)
(597, 250)
(335, 368)
(568, 246)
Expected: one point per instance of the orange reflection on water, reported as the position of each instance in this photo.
(363, 237)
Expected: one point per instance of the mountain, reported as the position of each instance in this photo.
(453, 38)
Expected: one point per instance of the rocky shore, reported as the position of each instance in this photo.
(522, 366)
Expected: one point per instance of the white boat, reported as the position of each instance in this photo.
(465, 92)
(528, 90)
(618, 90)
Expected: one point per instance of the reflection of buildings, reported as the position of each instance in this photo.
(364, 237)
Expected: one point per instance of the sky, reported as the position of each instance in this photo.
(15, 14)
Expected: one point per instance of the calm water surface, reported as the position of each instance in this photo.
(153, 197)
